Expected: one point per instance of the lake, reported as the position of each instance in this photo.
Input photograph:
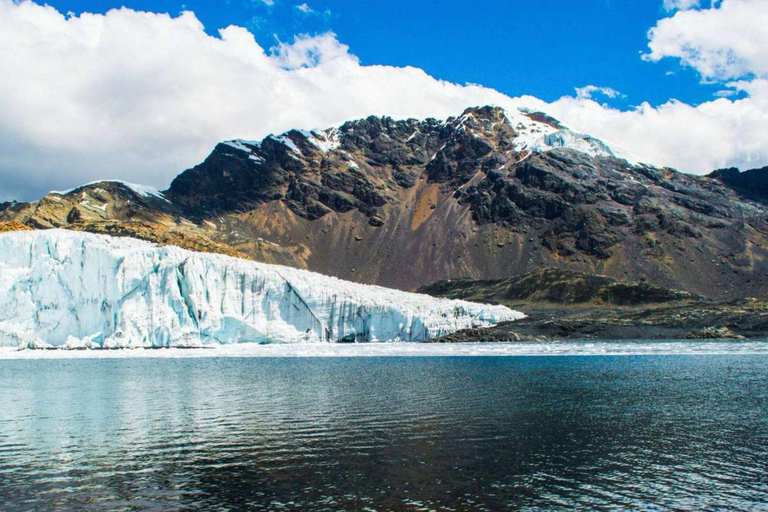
(598, 432)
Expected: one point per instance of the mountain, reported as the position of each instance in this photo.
(82, 290)
(486, 195)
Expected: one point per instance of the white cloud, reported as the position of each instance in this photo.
(588, 91)
(726, 41)
(714, 134)
(305, 8)
(309, 52)
(141, 96)
(675, 5)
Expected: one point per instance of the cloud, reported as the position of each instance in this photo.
(726, 41)
(308, 12)
(309, 52)
(305, 8)
(696, 139)
(675, 5)
(141, 96)
(587, 92)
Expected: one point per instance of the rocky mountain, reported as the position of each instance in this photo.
(486, 195)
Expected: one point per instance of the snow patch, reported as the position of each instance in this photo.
(324, 140)
(143, 190)
(286, 140)
(267, 242)
(238, 144)
(87, 204)
(536, 136)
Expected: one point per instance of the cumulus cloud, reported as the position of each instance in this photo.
(696, 139)
(141, 96)
(724, 42)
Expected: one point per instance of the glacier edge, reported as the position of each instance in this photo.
(69, 289)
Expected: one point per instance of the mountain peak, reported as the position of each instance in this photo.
(525, 131)
(377, 155)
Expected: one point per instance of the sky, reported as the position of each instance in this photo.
(142, 89)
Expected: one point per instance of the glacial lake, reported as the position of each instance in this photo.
(661, 431)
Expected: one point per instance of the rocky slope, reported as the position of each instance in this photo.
(485, 195)
(556, 286)
(746, 318)
(122, 209)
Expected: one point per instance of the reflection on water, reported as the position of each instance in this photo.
(675, 432)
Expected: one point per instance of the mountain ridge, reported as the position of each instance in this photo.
(406, 203)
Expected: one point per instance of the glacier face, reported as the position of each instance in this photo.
(79, 290)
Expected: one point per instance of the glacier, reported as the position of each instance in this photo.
(65, 289)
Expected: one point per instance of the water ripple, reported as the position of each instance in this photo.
(599, 433)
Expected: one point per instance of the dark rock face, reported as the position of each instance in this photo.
(308, 180)
(562, 305)
(752, 183)
(556, 286)
(696, 320)
(485, 195)
(229, 180)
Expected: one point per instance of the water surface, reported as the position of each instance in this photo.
(667, 432)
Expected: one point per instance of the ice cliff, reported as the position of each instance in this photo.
(70, 289)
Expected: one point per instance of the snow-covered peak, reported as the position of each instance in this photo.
(539, 133)
(536, 132)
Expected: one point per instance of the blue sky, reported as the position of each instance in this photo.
(546, 49)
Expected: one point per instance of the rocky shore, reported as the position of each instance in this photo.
(562, 305)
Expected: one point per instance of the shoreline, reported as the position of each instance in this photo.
(585, 348)
(747, 320)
